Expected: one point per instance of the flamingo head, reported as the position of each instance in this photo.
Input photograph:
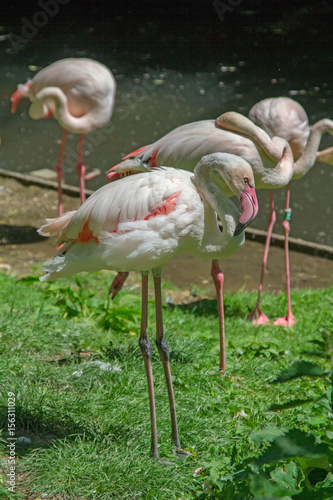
(239, 178)
(128, 166)
(21, 92)
(248, 207)
(325, 156)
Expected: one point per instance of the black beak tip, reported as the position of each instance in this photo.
(240, 228)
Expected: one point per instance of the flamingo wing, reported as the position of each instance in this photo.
(183, 147)
(134, 224)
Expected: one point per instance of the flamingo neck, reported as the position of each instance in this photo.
(308, 158)
(218, 201)
(280, 174)
(39, 109)
(241, 125)
(276, 150)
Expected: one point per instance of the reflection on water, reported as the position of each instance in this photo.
(184, 77)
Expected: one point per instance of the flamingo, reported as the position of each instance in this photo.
(141, 222)
(285, 118)
(271, 159)
(79, 93)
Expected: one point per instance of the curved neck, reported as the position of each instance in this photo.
(78, 125)
(308, 158)
(220, 203)
(235, 122)
(277, 150)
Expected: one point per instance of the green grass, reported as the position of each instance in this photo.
(89, 426)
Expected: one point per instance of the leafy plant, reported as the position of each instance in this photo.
(78, 301)
(294, 464)
(324, 346)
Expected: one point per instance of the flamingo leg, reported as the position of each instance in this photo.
(60, 171)
(81, 169)
(117, 284)
(257, 316)
(163, 350)
(289, 319)
(146, 349)
(218, 279)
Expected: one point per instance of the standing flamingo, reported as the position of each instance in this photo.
(271, 159)
(285, 118)
(141, 222)
(80, 94)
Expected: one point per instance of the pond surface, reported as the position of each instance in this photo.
(175, 63)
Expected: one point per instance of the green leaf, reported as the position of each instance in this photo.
(283, 483)
(268, 433)
(293, 444)
(261, 487)
(288, 479)
(328, 482)
(321, 494)
(291, 404)
(300, 369)
(314, 463)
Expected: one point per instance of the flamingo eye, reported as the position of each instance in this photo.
(246, 180)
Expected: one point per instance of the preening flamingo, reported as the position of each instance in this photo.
(271, 159)
(285, 118)
(141, 222)
(80, 94)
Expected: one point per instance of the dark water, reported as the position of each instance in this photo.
(174, 63)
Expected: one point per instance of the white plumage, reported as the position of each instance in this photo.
(271, 159)
(79, 93)
(286, 118)
(140, 222)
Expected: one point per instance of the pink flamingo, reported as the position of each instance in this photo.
(271, 159)
(286, 118)
(80, 94)
(141, 222)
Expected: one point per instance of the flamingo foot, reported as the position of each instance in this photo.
(117, 284)
(288, 320)
(257, 317)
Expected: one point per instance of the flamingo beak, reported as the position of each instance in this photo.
(15, 99)
(248, 208)
(113, 176)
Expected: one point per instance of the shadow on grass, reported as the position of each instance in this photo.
(208, 307)
(42, 426)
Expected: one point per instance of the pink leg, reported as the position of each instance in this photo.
(257, 316)
(60, 171)
(81, 169)
(218, 279)
(288, 320)
(117, 284)
(163, 350)
(146, 349)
